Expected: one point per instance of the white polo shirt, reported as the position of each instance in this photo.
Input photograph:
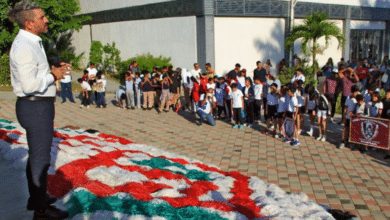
(30, 71)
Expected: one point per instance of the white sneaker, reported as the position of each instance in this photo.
(319, 138)
(310, 133)
(323, 138)
(272, 127)
(341, 146)
(87, 106)
(249, 125)
(81, 106)
(276, 135)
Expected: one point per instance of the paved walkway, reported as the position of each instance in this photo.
(340, 179)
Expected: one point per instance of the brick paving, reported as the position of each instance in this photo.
(341, 179)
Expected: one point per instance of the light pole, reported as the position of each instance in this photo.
(292, 6)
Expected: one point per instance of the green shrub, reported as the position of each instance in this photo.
(96, 52)
(112, 59)
(287, 73)
(5, 76)
(145, 62)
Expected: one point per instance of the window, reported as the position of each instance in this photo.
(367, 44)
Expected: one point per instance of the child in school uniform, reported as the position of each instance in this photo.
(228, 103)
(292, 112)
(249, 95)
(101, 102)
(258, 96)
(311, 96)
(211, 84)
(282, 106)
(323, 108)
(301, 105)
(375, 106)
(350, 105)
(361, 109)
(86, 93)
(271, 108)
(195, 93)
(237, 106)
(220, 95)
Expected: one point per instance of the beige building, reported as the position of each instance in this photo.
(225, 32)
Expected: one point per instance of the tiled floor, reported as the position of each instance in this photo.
(341, 179)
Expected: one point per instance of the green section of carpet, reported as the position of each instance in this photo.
(161, 163)
(84, 202)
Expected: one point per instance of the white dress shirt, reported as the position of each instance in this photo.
(30, 71)
(195, 73)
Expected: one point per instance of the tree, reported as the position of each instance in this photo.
(59, 12)
(315, 26)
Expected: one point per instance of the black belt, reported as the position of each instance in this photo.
(38, 98)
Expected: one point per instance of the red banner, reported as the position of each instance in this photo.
(368, 131)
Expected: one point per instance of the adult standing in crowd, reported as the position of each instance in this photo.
(135, 68)
(234, 72)
(330, 91)
(33, 83)
(348, 79)
(196, 72)
(259, 73)
(66, 88)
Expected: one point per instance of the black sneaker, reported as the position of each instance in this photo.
(50, 213)
(387, 157)
(31, 205)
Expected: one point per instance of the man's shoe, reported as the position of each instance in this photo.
(50, 213)
(50, 200)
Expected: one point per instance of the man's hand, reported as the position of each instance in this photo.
(60, 72)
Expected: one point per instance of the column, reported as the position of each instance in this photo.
(386, 40)
(205, 34)
(347, 34)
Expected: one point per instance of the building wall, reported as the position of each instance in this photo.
(88, 6)
(332, 50)
(81, 41)
(370, 25)
(247, 40)
(169, 37)
(365, 3)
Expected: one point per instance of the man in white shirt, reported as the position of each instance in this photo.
(66, 89)
(33, 82)
(196, 71)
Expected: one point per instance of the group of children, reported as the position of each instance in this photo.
(95, 85)
(161, 90)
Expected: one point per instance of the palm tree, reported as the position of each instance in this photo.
(315, 26)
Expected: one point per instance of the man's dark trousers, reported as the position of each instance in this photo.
(66, 91)
(37, 118)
